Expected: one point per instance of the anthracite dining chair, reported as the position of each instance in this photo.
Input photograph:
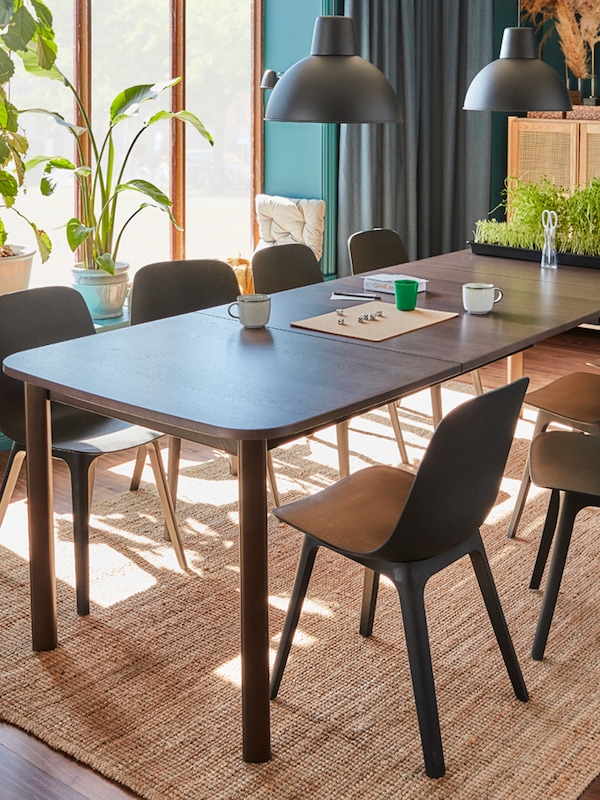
(378, 248)
(409, 527)
(290, 266)
(568, 463)
(42, 316)
(572, 400)
(167, 289)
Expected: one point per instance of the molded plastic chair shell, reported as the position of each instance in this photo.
(410, 527)
(572, 400)
(169, 288)
(375, 249)
(42, 316)
(568, 463)
(285, 266)
(378, 248)
(290, 266)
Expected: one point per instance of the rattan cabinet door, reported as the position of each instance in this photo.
(544, 148)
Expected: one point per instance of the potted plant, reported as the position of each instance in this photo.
(578, 215)
(97, 232)
(25, 31)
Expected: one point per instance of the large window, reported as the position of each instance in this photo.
(130, 44)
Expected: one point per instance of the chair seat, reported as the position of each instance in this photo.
(575, 397)
(356, 514)
(566, 461)
(84, 432)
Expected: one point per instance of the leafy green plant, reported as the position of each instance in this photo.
(101, 183)
(578, 214)
(25, 32)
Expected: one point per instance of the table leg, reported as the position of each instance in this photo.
(40, 511)
(252, 458)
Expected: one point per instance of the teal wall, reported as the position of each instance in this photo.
(293, 151)
(300, 158)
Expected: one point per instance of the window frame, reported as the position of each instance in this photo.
(177, 35)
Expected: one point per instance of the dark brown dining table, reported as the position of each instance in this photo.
(203, 374)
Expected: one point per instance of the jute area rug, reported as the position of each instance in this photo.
(146, 689)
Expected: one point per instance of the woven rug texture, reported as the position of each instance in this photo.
(146, 690)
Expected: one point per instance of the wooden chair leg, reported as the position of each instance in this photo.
(166, 501)
(437, 411)
(303, 573)
(174, 458)
(398, 432)
(272, 478)
(476, 378)
(541, 424)
(140, 462)
(11, 476)
(343, 448)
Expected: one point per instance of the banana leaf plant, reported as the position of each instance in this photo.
(100, 184)
(25, 32)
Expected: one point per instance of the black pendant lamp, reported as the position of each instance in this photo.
(333, 83)
(518, 80)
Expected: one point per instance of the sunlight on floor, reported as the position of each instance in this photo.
(134, 562)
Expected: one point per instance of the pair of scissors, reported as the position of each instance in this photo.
(549, 221)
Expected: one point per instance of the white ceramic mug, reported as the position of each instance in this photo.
(253, 310)
(479, 298)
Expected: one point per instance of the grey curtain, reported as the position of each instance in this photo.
(429, 176)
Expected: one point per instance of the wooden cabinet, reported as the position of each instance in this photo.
(566, 151)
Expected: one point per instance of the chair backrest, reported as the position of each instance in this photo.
(375, 249)
(286, 266)
(34, 318)
(458, 479)
(169, 288)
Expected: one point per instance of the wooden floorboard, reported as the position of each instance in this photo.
(29, 770)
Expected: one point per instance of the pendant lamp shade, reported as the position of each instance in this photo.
(518, 80)
(333, 83)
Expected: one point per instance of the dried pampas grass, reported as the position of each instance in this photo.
(577, 23)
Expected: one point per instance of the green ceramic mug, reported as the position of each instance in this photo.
(406, 294)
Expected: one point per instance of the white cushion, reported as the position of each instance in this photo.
(286, 220)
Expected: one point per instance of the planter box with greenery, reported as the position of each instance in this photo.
(522, 235)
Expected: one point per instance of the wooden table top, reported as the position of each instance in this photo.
(278, 382)
(537, 304)
(201, 373)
